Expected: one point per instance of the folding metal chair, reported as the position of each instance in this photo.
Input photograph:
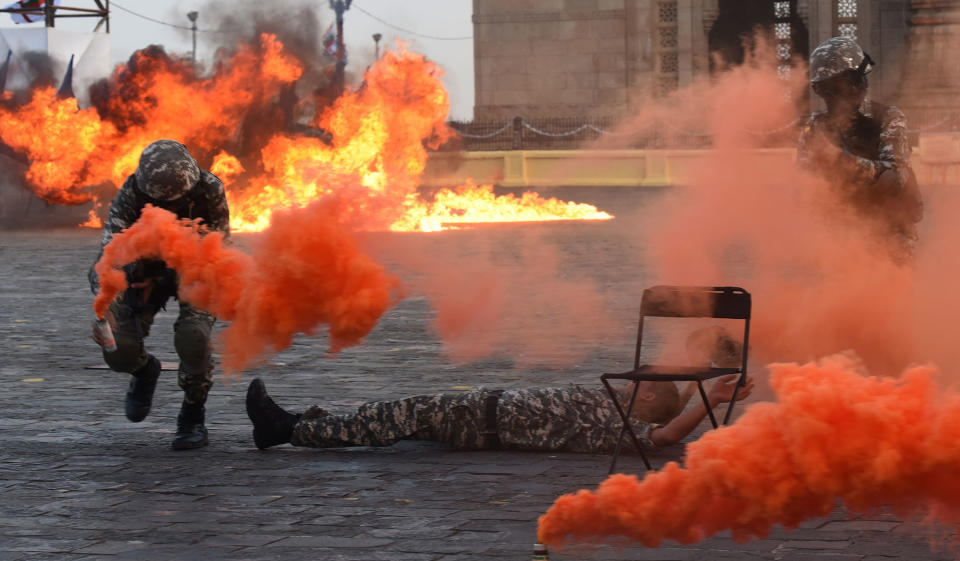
(728, 302)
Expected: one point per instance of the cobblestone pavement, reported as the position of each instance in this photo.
(79, 482)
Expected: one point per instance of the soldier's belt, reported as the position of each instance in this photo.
(490, 401)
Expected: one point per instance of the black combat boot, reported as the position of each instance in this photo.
(191, 433)
(271, 424)
(140, 392)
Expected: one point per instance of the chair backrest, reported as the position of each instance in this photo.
(727, 302)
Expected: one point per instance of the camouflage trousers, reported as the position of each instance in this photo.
(456, 419)
(191, 338)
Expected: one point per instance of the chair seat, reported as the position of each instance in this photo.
(721, 302)
(671, 373)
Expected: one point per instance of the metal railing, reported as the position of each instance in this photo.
(561, 133)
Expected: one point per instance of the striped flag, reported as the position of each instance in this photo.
(330, 42)
(22, 17)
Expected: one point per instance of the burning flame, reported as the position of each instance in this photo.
(151, 97)
(473, 204)
(93, 219)
(369, 154)
(60, 140)
(376, 159)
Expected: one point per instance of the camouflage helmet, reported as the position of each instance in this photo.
(166, 171)
(836, 56)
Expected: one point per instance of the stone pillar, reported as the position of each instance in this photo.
(888, 46)
(709, 12)
(931, 88)
(641, 49)
(820, 21)
(685, 42)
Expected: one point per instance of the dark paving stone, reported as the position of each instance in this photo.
(78, 482)
(859, 526)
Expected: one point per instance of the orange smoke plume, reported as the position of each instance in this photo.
(303, 272)
(819, 268)
(836, 433)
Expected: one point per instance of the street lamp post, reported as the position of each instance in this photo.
(340, 6)
(192, 16)
(376, 46)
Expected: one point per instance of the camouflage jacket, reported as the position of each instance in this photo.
(875, 142)
(207, 201)
(570, 419)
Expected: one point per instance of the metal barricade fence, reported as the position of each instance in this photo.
(567, 133)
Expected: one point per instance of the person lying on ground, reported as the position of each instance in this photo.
(569, 419)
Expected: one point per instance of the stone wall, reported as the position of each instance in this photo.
(605, 58)
(931, 89)
(550, 58)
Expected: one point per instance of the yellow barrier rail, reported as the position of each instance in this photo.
(546, 168)
(935, 160)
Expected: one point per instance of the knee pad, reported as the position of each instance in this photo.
(129, 356)
(192, 342)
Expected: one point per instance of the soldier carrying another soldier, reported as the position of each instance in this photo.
(168, 177)
(860, 146)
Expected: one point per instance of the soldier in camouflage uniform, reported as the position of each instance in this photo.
(168, 177)
(569, 419)
(860, 146)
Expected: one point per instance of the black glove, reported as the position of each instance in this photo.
(151, 284)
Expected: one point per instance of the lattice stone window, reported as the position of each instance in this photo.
(847, 8)
(782, 30)
(667, 84)
(668, 38)
(783, 51)
(848, 30)
(846, 18)
(667, 43)
(669, 63)
(668, 11)
(781, 10)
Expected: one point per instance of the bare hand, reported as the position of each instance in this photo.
(97, 336)
(723, 388)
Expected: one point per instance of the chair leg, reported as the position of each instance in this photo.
(625, 417)
(736, 389)
(706, 403)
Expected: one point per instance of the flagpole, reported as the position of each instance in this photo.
(340, 6)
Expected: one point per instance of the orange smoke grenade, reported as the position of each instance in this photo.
(304, 271)
(835, 433)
